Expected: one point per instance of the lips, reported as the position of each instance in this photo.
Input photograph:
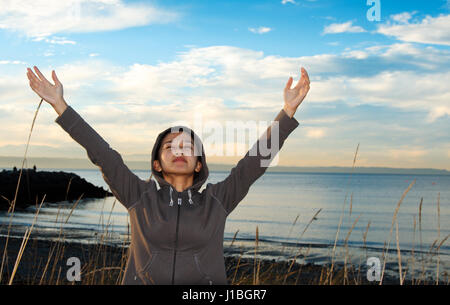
(180, 159)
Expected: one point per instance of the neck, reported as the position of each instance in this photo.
(180, 182)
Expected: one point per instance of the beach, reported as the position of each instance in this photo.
(45, 262)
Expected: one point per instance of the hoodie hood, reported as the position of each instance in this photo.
(199, 178)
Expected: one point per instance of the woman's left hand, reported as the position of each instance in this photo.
(294, 97)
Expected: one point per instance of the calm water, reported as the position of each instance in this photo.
(273, 204)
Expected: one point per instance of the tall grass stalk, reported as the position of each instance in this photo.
(412, 263)
(346, 248)
(420, 241)
(398, 254)
(236, 268)
(394, 217)
(24, 243)
(301, 266)
(11, 209)
(330, 271)
(303, 232)
(256, 265)
(439, 236)
(365, 249)
(298, 240)
(290, 231)
(57, 243)
(234, 238)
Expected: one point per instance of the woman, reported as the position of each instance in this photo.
(176, 231)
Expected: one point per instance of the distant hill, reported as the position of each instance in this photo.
(364, 170)
(72, 163)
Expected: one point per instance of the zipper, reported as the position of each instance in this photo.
(176, 245)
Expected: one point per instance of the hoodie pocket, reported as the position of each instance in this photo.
(206, 279)
(146, 271)
(190, 269)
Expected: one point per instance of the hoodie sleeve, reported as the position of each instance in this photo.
(124, 184)
(235, 187)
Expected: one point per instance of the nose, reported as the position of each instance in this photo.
(179, 152)
(185, 151)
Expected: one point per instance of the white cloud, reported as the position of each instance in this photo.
(431, 30)
(324, 120)
(75, 16)
(346, 27)
(407, 153)
(357, 54)
(287, 1)
(12, 89)
(55, 40)
(143, 98)
(12, 62)
(402, 17)
(315, 133)
(399, 89)
(253, 80)
(260, 30)
(437, 112)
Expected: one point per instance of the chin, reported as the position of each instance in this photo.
(181, 171)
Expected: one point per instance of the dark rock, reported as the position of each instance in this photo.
(56, 186)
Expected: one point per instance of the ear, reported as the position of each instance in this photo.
(157, 166)
(199, 166)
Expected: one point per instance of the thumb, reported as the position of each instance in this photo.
(289, 83)
(55, 78)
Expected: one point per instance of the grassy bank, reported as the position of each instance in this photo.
(45, 262)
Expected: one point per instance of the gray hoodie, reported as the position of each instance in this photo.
(176, 237)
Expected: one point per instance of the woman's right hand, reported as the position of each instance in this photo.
(53, 94)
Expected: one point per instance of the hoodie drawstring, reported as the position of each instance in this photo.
(171, 200)
(190, 197)
(179, 199)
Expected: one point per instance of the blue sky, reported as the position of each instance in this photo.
(133, 68)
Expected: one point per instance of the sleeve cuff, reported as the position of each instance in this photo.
(68, 118)
(287, 124)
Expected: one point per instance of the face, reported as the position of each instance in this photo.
(176, 155)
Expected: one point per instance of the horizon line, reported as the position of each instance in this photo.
(136, 165)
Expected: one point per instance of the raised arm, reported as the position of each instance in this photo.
(235, 187)
(124, 184)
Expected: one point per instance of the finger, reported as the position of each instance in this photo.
(55, 78)
(33, 83)
(289, 83)
(34, 86)
(32, 76)
(299, 83)
(305, 74)
(304, 79)
(304, 90)
(41, 76)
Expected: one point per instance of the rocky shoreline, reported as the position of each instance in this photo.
(56, 186)
(104, 265)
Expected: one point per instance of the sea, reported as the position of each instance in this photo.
(319, 218)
